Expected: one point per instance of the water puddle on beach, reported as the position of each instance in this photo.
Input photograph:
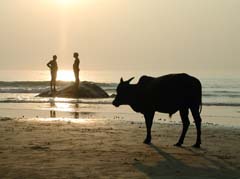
(83, 113)
(66, 120)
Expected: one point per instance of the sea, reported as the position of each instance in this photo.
(18, 98)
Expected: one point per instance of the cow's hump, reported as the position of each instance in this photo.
(144, 80)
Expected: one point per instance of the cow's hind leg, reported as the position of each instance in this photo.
(198, 121)
(186, 123)
(148, 120)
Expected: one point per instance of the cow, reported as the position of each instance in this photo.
(166, 94)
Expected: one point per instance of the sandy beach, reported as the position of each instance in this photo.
(78, 78)
(113, 148)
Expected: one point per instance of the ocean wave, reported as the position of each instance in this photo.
(73, 101)
(222, 95)
(228, 95)
(29, 83)
(23, 90)
(221, 104)
(41, 86)
(225, 91)
(97, 101)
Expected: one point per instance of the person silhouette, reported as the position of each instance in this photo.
(53, 68)
(76, 69)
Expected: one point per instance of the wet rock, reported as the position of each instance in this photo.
(85, 90)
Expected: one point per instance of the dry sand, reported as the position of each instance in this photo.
(114, 149)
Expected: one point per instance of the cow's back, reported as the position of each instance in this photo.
(169, 93)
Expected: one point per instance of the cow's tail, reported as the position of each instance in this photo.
(200, 108)
(200, 99)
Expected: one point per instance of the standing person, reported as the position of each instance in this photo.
(53, 68)
(76, 69)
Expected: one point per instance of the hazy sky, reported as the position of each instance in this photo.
(160, 35)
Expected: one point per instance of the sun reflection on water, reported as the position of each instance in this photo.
(60, 119)
(72, 109)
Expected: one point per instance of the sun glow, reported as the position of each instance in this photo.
(68, 75)
(66, 2)
(65, 75)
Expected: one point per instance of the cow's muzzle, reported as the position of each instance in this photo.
(115, 103)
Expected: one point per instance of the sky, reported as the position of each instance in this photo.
(195, 36)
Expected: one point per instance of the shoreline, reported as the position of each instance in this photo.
(113, 148)
(224, 116)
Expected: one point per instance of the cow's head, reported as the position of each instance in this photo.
(122, 96)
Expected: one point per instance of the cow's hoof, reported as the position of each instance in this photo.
(147, 141)
(196, 146)
(178, 144)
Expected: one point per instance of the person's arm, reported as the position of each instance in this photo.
(49, 64)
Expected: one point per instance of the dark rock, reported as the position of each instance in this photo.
(85, 90)
(113, 95)
(5, 119)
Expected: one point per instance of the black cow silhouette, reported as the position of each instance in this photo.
(167, 94)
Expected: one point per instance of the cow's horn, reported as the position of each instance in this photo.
(121, 80)
(128, 81)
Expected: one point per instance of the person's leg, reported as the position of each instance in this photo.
(54, 80)
(76, 73)
(51, 83)
(78, 78)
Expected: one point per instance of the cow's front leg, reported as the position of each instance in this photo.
(148, 120)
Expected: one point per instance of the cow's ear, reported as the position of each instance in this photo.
(128, 81)
(121, 80)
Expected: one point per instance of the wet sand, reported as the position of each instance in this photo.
(113, 148)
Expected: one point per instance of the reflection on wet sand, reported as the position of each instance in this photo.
(76, 114)
(53, 112)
